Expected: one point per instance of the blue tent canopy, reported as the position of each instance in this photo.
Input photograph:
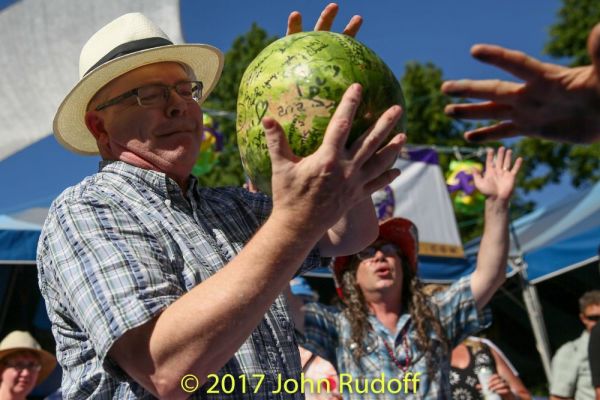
(18, 240)
(557, 238)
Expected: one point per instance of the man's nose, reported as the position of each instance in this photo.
(176, 105)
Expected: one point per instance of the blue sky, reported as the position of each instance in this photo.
(399, 31)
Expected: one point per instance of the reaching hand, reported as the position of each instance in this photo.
(324, 22)
(554, 102)
(498, 179)
(498, 385)
(317, 190)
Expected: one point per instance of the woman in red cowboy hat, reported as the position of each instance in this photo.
(390, 339)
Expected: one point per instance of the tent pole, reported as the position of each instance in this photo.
(534, 311)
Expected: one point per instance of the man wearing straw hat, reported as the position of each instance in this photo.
(23, 365)
(158, 287)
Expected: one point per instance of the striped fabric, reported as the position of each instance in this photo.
(124, 244)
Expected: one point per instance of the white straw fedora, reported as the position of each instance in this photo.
(18, 341)
(126, 43)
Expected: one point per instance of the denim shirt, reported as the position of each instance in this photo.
(327, 332)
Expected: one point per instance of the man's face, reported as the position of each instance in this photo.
(590, 316)
(382, 272)
(162, 138)
(19, 373)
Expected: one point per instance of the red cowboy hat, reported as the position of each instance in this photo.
(400, 231)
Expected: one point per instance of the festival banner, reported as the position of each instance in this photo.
(421, 195)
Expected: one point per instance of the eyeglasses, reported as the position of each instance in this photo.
(388, 249)
(594, 318)
(20, 366)
(157, 95)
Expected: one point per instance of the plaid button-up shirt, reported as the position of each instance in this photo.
(124, 244)
(327, 332)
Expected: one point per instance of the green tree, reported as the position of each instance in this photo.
(568, 36)
(228, 171)
(426, 122)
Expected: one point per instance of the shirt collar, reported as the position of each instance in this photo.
(155, 180)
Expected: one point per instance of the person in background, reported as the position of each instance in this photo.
(23, 365)
(388, 326)
(475, 354)
(317, 370)
(571, 376)
(594, 356)
(553, 102)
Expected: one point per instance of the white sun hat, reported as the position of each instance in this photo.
(22, 341)
(126, 43)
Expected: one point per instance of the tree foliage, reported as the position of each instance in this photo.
(568, 36)
(427, 124)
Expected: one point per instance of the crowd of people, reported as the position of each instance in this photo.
(158, 287)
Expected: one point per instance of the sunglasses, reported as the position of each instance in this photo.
(388, 249)
(20, 366)
(594, 318)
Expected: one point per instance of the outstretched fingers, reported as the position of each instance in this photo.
(371, 140)
(516, 166)
(505, 161)
(325, 21)
(383, 159)
(491, 89)
(515, 62)
(499, 160)
(340, 124)
(327, 17)
(294, 24)
(502, 130)
(486, 110)
(353, 26)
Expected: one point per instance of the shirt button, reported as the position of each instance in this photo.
(168, 202)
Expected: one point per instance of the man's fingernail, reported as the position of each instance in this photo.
(472, 138)
(481, 56)
(268, 123)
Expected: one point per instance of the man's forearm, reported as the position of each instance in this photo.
(203, 329)
(493, 252)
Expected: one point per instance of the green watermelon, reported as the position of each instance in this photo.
(299, 80)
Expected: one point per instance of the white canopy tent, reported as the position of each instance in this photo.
(39, 54)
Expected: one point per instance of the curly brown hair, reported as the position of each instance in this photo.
(414, 300)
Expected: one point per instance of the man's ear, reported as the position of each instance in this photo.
(95, 124)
